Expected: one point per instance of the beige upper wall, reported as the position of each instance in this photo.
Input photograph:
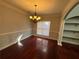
(12, 19)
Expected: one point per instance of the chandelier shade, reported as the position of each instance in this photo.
(35, 18)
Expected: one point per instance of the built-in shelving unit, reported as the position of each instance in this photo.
(71, 31)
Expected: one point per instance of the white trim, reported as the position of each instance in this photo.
(12, 43)
(13, 32)
(8, 45)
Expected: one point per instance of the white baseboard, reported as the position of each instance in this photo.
(44, 36)
(11, 44)
(8, 45)
(60, 44)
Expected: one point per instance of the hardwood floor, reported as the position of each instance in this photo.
(40, 48)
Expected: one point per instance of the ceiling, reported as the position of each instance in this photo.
(44, 6)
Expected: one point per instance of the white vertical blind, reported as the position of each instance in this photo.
(43, 28)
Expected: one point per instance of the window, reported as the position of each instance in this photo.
(43, 28)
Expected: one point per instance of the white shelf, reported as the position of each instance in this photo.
(70, 37)
(68, 40)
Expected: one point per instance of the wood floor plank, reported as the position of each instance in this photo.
(40, 48)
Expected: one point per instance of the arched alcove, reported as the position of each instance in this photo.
(71, 26)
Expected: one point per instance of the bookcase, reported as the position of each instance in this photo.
(71, 30)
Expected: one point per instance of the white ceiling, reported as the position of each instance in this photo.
(44, 6)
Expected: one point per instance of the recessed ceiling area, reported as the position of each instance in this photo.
(44, 6)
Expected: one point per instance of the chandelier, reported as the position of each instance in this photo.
(35, 18)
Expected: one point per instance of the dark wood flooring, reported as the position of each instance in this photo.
(40, 48)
